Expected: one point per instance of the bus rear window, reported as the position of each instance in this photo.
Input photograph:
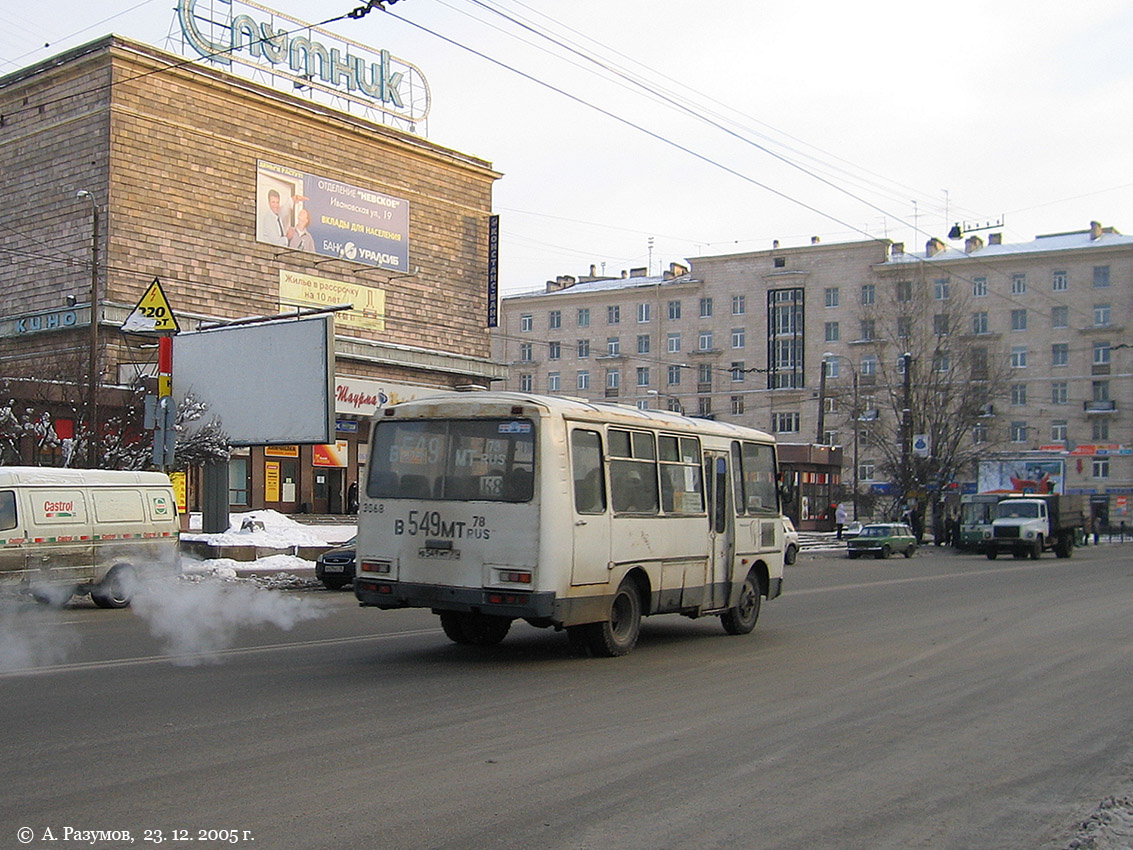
(453, 459)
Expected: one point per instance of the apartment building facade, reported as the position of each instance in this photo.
(808, 342)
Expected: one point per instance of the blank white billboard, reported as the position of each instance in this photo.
(266, 384)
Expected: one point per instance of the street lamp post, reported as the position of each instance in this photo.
(92, 389)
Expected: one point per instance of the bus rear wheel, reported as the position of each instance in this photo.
(617, 634)
(741, 619)
(474, 629)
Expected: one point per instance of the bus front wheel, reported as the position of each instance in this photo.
(741, 619)
(617, 634)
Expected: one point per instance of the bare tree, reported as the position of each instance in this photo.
(926, 370)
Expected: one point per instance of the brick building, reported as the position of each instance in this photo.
(168, 157)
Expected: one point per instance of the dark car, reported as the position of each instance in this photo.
(335, 567)
(882, 539)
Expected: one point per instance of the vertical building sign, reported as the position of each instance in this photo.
(493, 270)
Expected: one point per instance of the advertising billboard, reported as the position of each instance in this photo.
(298, 211)
(1022, 475)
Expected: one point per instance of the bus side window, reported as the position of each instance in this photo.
(586, 469)
(7, 510)
(633, 472)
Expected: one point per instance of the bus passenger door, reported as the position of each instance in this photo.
(589, 515)
(721, 529)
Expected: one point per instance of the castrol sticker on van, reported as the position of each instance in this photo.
(59, 510)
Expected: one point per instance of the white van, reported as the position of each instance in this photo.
(65, 531)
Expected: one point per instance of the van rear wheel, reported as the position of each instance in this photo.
(116, 590)
(617, 634)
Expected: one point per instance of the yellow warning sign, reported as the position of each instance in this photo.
(153, 313)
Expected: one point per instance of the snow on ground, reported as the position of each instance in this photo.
(278, 531)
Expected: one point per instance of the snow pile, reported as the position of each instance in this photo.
(267, 529)
(1110, 827)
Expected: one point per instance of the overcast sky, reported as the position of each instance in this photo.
(776, 120)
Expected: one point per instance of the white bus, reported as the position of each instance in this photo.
(490, 507)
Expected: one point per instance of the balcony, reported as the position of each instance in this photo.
(1100, 406)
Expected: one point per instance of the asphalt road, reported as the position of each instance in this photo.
(945, 701)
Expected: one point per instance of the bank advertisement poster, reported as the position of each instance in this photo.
(298, 211)
(304, 290)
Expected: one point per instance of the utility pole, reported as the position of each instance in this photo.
(821, 438)
(93, 447)
(907, 426)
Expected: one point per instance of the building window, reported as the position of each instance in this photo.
(552, 382)
(1060, 354)
(869, 365)
(940, 324)
(869, 293)
(704, 375)
(739, 305)
(613, 346)
(583, 382)
(979, 323)
(613, 315)
(1101, 277)
(979, 287)
(866, 470)
(942, 288)
(584, 317)
(643, 376)
(1060, 317)
(554, 350)
(705, 308)
(526, 383)
(868, 329)
(644, 313)
(1019, 357)
(674, 375)
(978, 359)
(1018, 284)
(613, 379)
(1059, 281)
(1101, 315)
(1018, 320)
(1101, 467)
(1018, 394)
(704, 405)
(1058, 431)
(674, 309)
(1101, 430)
(831, 367)
(785, 423)
(526, 322)
(1060, 392)
(706, 340)
(831, 296)
(904, 291)
(1018, 432)
(674, 405)
(674, 343)
(737, 405)
(737, 370)
(1101, 353)
(904, 327)
(643, 343)
(831, 331)
(555, 319)
(737, 337)
(979, 433)
(941, 361)
(238, 481)
(1100, 390)
(525, 352)
(583, 349)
